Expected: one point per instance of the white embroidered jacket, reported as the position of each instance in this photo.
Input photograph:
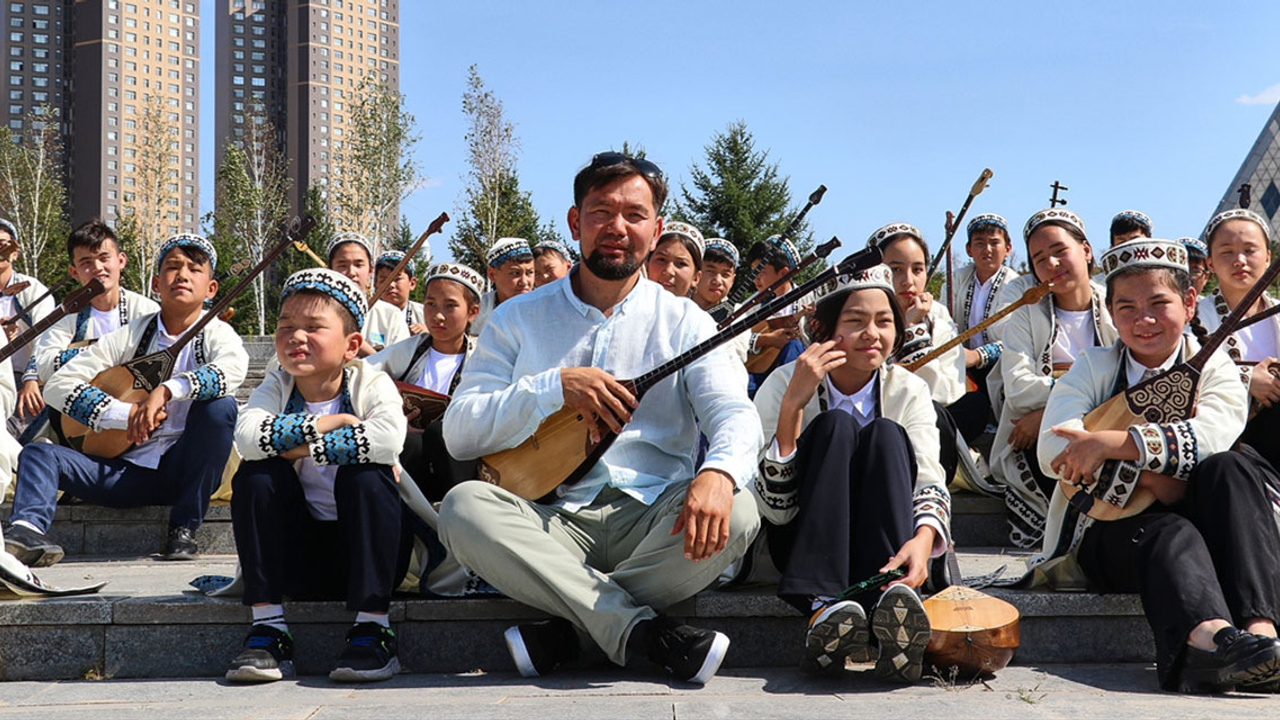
(1212, 310)
(51, 349)
(945, 375)
(275, 420)
(1172, 449)
(27, 313)
(903, 398)
(385, 325)
(398, 361)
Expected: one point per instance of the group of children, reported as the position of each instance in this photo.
(337, 492)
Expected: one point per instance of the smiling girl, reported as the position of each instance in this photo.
(849, 477)
(1040, 342)
(676, 261)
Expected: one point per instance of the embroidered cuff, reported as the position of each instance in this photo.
(207, 382)
(30, 372)
(86, 405)
(65, 357)
(778, 496)
(284, 432)
(348, 445)
(931, 505)
(752, 347)
(1167, 449)
(918, 337)
(988, 354)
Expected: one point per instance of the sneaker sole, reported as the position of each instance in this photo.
(841, 635)
(35, 557)
(902, 628)
(1260, 669)
(356, 676)
(519, 653)
(711, 664)
(177, 557)
(250, 674)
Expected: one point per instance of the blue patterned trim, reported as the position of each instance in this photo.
(65, 357)
(86, 404)
(348, 445)
(286, 431)
(331, 283)
(82, 324)
(191, 241)
(207, 382)
(520, 252)
(391, 259)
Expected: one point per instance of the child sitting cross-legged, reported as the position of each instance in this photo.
(314, 506)
(1203, 555)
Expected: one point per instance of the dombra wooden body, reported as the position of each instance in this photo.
(972, 631)
(1166, 398)
(134, 380)
(763, 360)
(560, 449)
(430, 405)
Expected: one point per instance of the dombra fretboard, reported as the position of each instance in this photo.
(560, 449)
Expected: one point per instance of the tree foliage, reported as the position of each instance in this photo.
(739, 194)
(149, 208)
(375, 165)
(33, 193)
(493, 205)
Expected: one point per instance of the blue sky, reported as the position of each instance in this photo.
(896, 107)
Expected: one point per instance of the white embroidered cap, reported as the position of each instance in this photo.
(558, 247)
(348, 237)
(1058, 216)
(9, 228)
(1145, 253)
(1136, 216)
(1236, 214)
(725, 247)
(458, 273)
(191, 241)
(391, 258)
(508, 248)
(331, 283)
(882, 235)
(684, 229)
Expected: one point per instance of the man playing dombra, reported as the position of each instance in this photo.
(641, 531)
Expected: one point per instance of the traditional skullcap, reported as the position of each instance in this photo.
(331, 283)
(1236, 214)
(459, 273)
(1136, 216)
(876, 276)
(347, 237)
(684, 229)
(1144, 253)
(725, 247)
(508, 248)
(391, 258)
(987, 220)
(1195, 248)
(1052, 215)
(880, 236)
(787, 247)
(191, 241)
(558, 247)
(6, 225)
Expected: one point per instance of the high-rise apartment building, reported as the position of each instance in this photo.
(299, 63)
(99, 64)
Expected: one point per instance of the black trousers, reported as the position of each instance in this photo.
(855, 506)
(1260, 434)
(1215, 554)
(948, 453)
(284, 551)
(426, 458)
(972, 413)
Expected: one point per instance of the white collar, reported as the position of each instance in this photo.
(861, 404)
(1134, 370)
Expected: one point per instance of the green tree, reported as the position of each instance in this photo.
(149, 211)
(493, 205)
(253, 198)
(375, 164)
(33, 193)
(292, 260)
(739, 195)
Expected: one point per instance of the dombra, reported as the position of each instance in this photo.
(973, 632)
(560, 449)
(134, 380)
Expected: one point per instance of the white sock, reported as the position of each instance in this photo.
(27, 525)
(272, 615)
(382, 619)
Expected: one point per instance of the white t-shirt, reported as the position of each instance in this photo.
(439, 371)
(981, 291)
(1075, 334)
(149, 453)
(317, 480)
(1258, 342)
(104, 323)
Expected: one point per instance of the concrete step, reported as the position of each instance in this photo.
(148, 623)
(978, 521)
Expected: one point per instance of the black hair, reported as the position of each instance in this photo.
(769, 254)
(826, 315)
(1008, 241)
(1179, 280)
(199, 256)
(715, 254)
(924, 246)
(467, 292)
(540, 250)
(91, 234)
(348, 320)
(594, 176)
(1125, 224)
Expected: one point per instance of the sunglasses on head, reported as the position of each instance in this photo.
(646, 168)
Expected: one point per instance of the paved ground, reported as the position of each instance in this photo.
(1054, 691)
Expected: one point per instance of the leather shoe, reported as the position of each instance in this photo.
(1241, 658)
(181, 544)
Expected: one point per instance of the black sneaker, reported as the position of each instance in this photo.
(1241, 658)
(267, 656)
(370, 655)
(837, 631)
(691, 654)
(32, 547)
(538, 648)
(181, 544)
(902, 630)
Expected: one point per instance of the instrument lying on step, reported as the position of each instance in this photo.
(560, 449)
(973, 632)
(133, 380)
(1031, 296)
(1166, 398)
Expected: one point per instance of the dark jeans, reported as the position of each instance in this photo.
(789, 353)
(285, 551)
(426, 458)
(1213, 555)
(855, 506)
(188, 474)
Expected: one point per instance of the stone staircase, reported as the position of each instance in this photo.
(148, 622)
